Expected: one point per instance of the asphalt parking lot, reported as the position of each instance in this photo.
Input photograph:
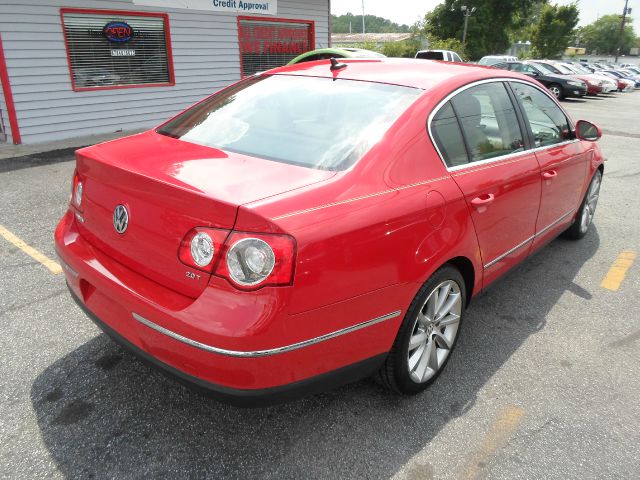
(544, 382)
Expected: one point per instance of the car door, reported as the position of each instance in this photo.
(562, 159)
(479, 134)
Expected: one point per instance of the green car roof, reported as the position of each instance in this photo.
(338, 53)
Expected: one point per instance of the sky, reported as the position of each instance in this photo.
(409, 11)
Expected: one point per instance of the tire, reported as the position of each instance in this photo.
(556, 90)
(409, 369)
(587, 210)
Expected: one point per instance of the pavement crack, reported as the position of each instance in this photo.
(16, 308)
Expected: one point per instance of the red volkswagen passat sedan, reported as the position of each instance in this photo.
(321, 222)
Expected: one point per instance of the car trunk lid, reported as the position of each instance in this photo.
(168, 187)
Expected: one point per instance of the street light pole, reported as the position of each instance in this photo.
(466, 12)
(624, 17)
(363, 32)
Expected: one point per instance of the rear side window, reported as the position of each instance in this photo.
(448, 137)
(307, 121)
(431, 55)
(548, 124)
(489, 123)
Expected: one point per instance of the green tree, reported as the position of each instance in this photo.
(603, 35)
(553, 32)
(488, 28)
(405, 48)
(372, 24)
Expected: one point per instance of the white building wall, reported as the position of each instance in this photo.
(205, 57)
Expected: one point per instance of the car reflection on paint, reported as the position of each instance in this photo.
(320, 222)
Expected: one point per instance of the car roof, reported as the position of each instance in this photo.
(417, 73)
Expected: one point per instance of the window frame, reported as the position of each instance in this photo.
(312, 32)
(529, 148)
(134, 13)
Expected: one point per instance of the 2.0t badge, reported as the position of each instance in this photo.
(120, 219)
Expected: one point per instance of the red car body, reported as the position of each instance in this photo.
(365, 240)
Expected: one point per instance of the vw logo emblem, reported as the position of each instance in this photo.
(120, 219)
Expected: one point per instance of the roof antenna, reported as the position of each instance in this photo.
(335, 65)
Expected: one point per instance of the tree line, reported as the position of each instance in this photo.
(497, 24)
(350, 23)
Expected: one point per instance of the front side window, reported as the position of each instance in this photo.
(523, 68)
(307, 121)
(117, 49)
(548, 124)
(489, 123)
(542, 67)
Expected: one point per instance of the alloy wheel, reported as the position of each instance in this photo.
(434, 331)
(555, 91)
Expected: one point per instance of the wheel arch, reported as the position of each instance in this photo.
(466, 269)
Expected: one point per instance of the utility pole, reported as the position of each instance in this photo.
(624, 17)
(363, 32)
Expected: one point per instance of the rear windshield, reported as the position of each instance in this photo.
(313, 122)
(431, 55)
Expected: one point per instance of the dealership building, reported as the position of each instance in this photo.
(79, 68)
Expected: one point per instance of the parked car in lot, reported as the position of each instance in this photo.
(594, 85)
(631, 75)
(317, 223)
(608, 84)
(624, 84)
(326, 53)
(559, 85)
(444, 55)
(490, 60)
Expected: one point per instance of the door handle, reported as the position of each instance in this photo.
(483, 200)
(550, 174)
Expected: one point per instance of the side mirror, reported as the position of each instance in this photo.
(587, 131)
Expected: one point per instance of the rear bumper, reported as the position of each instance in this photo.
(243, 347)
(244, 397)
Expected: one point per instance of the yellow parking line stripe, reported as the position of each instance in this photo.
(497, 437)
(29, 250)
(618, 270)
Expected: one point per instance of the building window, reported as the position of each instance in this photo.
(117, 49)
(267, 43)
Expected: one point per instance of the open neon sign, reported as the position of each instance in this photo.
(118, 32)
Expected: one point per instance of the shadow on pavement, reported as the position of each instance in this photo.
(102, 413)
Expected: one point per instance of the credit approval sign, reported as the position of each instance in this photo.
(265, 7)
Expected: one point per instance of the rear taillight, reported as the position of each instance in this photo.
(253, 260)
(201, 247)
(76, 190)
(248, 260)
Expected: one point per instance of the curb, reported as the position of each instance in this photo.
(38, 159)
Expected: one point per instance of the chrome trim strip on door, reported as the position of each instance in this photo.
(532, 237)
(503, 157)
(270, 351)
